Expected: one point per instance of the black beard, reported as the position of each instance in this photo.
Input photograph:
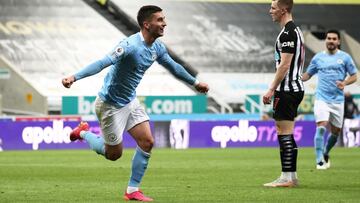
(331, 47)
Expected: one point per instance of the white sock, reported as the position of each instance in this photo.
(293, 175)
(131, 189)
(286, 175)
(82, 133)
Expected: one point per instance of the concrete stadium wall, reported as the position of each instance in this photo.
(353, 47)
(18, 96)
(313, 43)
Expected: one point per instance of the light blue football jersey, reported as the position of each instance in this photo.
(331, 68)
(128, 62)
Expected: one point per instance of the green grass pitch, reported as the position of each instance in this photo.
(193, 175)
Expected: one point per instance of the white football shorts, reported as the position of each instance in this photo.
(114, 120)
(332, 112)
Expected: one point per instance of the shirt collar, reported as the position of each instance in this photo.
(141, 37)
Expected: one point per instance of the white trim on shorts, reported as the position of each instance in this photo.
(331, 112)
(114, 120)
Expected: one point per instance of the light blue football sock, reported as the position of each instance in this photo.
(95, 142)
(330, 143)
(139, 164)
(319, 143)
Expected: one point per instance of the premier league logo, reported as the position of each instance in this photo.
(117, 52)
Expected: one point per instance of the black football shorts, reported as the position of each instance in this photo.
(285, 105)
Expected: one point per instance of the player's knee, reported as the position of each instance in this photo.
(335, 130)
(278, 129)
(147, 144)
(322, 124)
(113, 156)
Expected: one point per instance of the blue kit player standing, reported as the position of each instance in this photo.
(332, 67)
(287, 89)
(116, 106)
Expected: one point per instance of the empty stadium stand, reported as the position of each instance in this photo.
(237, 37)
(226, 44)
(216, 37)
(223, 40)
(45, 40)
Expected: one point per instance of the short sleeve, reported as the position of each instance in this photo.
(287, 42)
(350, 65)
(312, 69)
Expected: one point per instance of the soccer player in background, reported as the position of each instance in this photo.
(287, 89)
(117, 107)
(332, 67)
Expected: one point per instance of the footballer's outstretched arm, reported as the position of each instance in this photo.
(179, 72)
(89, 70)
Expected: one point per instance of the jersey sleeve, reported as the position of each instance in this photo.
(350, 65)
(115, 56)
(312, 69)
(93, 68)
(287, 42)
(119, 52)
(176, 69)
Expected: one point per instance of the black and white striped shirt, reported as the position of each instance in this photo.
(291, 40)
